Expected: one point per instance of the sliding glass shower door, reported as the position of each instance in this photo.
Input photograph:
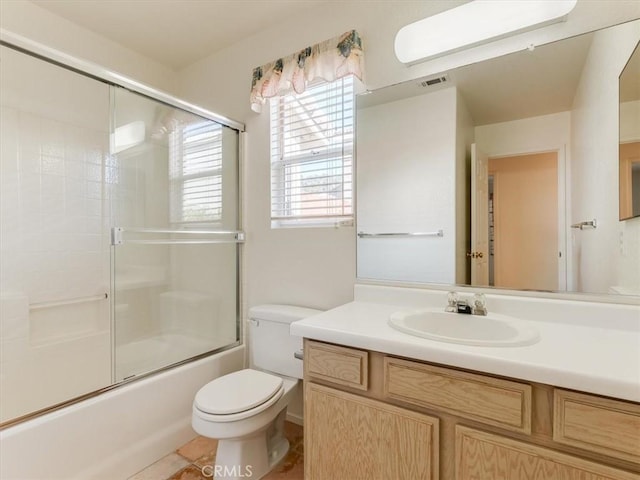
(54, 236)
(118, 234)
(173, 180)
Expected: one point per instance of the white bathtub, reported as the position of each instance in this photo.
(116, 434)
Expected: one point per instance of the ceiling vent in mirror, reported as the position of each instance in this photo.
(433, 81)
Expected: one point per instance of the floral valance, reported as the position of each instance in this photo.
(329, 60)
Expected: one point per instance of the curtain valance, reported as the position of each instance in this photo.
(329, 60)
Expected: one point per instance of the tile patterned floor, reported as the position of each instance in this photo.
(187, 462)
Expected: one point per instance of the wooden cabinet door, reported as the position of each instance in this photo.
(597, 424)
(352, 437)
(483, 456)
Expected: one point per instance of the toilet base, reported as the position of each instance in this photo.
(251, 457)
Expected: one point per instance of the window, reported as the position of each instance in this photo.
(312, 137)
(196, 173)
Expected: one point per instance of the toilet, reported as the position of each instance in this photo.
(245, 410)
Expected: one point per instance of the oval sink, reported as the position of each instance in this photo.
(493, 330)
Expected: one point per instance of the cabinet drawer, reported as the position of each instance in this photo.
(339, 365)
(481, 455)
(489, 400)
(601, 425)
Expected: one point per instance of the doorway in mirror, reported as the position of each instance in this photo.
(629, 180)
(525, 214)
(515, 221)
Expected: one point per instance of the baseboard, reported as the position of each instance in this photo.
(295, 418)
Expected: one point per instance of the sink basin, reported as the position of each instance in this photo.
(493, 330)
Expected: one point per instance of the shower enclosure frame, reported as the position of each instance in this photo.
(101, 74)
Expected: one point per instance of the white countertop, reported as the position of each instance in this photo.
(596, 359)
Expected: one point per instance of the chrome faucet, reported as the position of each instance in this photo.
(456, 305)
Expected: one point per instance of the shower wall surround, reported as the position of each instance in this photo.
(83, 162)
(55, 330)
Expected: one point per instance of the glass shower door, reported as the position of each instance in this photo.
(54, 238)
(174, 178)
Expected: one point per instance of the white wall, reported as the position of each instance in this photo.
(594, 167)
(529, 135)
(406, 183)
(28, 20)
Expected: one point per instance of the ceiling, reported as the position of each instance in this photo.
(176, 33)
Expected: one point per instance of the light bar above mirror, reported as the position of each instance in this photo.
(474, 23)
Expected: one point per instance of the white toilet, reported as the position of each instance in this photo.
(245, 410)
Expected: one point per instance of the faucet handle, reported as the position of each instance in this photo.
(479, 304)
(452, 302)
(452, 298)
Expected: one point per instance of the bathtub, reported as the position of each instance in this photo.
(115, 434)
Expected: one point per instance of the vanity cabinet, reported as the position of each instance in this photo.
(493, 401)
(373, 416)
(351, 437)
(597, 424)
(339, 365)
(482, 455)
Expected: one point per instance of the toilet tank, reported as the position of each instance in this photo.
(270, 344)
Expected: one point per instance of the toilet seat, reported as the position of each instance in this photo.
(238, 395)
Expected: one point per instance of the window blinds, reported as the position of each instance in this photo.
(312, 144)
(196, 173)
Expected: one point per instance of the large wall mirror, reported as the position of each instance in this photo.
(502, 173)
(630, 137)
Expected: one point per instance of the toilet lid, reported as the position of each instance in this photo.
(237, 392)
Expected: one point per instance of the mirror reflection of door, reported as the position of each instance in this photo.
(629, 180)
(479, 254)
(522, 214)
(629, 136)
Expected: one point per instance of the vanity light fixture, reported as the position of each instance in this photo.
(474, 23)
